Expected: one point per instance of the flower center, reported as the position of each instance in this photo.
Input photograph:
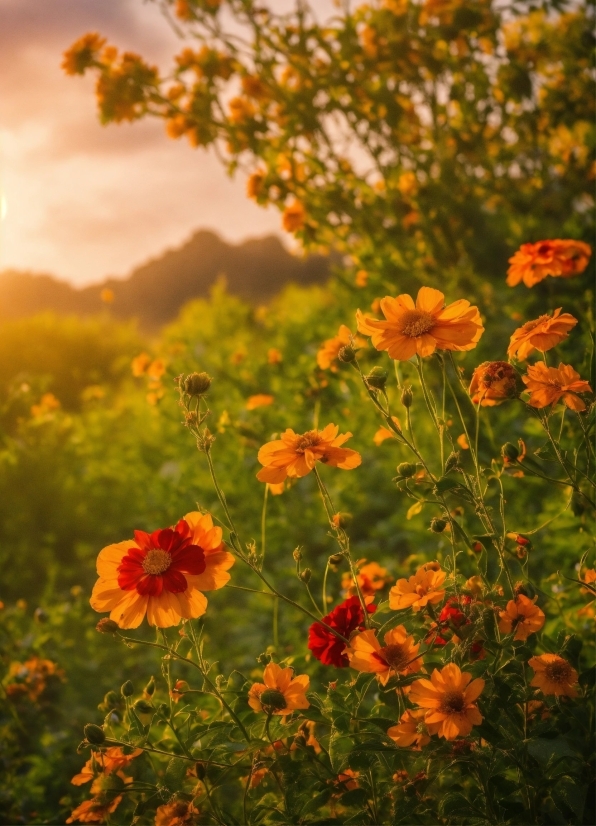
(395, 656)
(309, 439)
(531, 325)
(558, 672)
(156, 561)
(453, 702)
(272, 700)
(415, 323)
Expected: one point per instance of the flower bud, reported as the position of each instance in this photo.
(110, 700)
(452, 461)
(347, 354)
(200, 770)
(509, 452)
(306, 575)
(39, 615)
(163, 710)
(335, 559)
(197, 384)
(406, 470)
(94, 734)
(297, 554)
(407, 396)
(477, 547)
(437, 525)
(150, 688)
(143, 707)
(376, 379)
(264, 659)
(127, 689)
(106, 626)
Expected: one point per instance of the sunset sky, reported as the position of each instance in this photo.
(84, 201)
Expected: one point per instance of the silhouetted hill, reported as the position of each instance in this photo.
(154, 292)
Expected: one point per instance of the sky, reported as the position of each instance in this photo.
(82, 201)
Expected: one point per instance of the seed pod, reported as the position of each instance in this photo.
(437, 525)
(94, 734)
(197, 384)
(347, 354)
(406, 470)
(335, 559)
(306, 575)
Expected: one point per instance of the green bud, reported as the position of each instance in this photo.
(347, 354)
(163, 710)
(376, 379)
(406, 470)
(272, 700)
(577, 504)
(437, 525)
(306, 575)
(110, 700)
(143, 707)
(197, 384)
(407, 396)
(200, 770)
(264, 659)
(509, 452)
(127, 689)
(150, 687)
(94, 734)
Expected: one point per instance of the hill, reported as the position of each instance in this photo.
(154, 292)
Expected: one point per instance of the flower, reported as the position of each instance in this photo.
(139, 364)
(542, 334)
(296, 454)
(398, 655)
(412, 730)
(47, 404)
(522, 616)
(421, 328)
(106, 762)
(345, 618)
(94, 810)
(330, 348)
(547, 385)
(348, 780)
(553, 675)
(176, 813)
(382, 434)
(370, 577)
(281, 694)
(162, 574)
(274, 356)
(32, 677)
(450, 699)
(420, 589)
(560, 258)
(293, 217)
(493, 382)
(260, 400)
(82, 53)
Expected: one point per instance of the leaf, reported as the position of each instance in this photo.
(175, 774)
(414, 509)
(447, 483)
(454, 803)
(317, 802)
(544, 750)
(354, 797)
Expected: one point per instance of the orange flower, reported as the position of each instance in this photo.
(330, 348)
(95, 810)
(370, 577)
(522, 615)
(548, 385)
(382, 434)
(412, 730)
(139, 364)
(281, 693)
(397, 656)
(82, 54)
(420, 589)
(553, 675)
(32, 677)
(293, 217)
(176, 813)
(260, 400)
(361, 279)
(109, 761)
(348, 780)
(274, 356)
(162, 574)
(421, 328)
(296, 454)
(542, 334)
(450, 699)
(47, 404)
(493, 382)
(560, 258)
(257, 776)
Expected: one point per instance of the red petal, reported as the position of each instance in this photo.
(174, 581)
(145, 540)
(151, 585)
(189, 559)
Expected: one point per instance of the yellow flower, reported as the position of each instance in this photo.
(553, 675)
(281, 692)
(450, 699)
(420, 589)
(522, 616)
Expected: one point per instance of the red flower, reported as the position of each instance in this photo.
(345, 618)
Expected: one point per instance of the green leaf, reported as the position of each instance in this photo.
(317, 802)
(544, 750)
(454, 803)
(354, 797)
(175, 774)
(414, 509)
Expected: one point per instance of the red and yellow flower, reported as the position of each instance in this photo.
(553, 675)
(542, 334)
(398, 655)
(450, 699)
(163, 574)
(560, 258)
(296, 454)
(420, 328)
(419, 590)
(521, 616)
(280, 693)
(345, 618)
(549, 385)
